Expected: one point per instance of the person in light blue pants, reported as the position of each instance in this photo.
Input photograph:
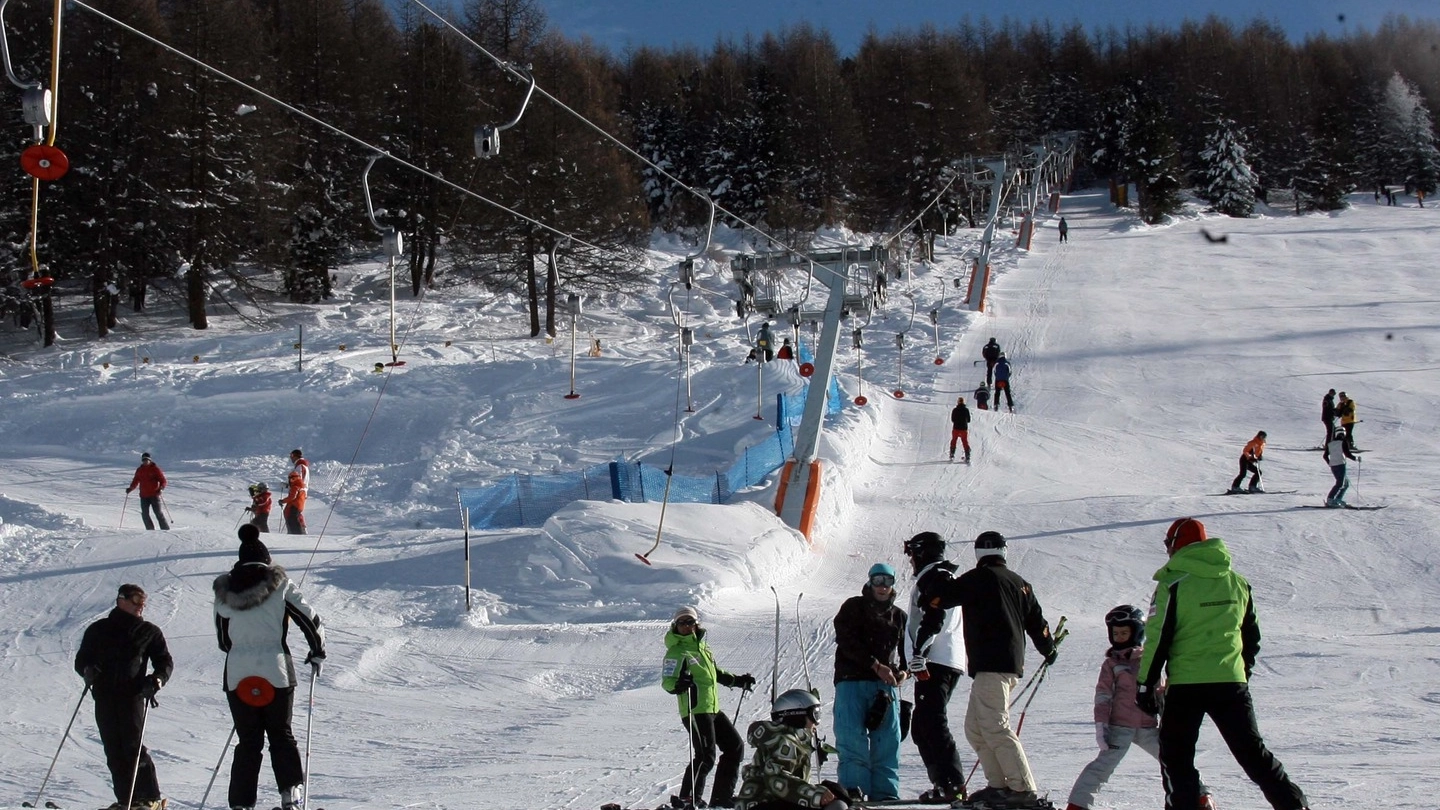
(869, 646)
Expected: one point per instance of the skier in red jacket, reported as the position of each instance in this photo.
(150, 480)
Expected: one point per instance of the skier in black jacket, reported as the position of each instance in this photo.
(991, 352)
(960, 428)
(999, 609)
(114, 657)
(938, 664)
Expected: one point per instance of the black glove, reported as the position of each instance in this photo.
(91, 674)
(1150, 699)
(129, 490)
(151, 687)
(684, 683)
(836, 789)
(1052, 655)
(746, 681)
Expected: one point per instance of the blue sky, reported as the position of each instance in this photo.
(618, 24)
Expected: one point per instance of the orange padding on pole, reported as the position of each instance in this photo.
(784, 483)
(812, 500)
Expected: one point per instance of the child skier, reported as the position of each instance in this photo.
(1118, 721)
(982, 397)
(259, 507)
(785, 747)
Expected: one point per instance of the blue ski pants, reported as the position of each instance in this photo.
(869, 758)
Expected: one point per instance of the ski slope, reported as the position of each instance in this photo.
(1144, 358)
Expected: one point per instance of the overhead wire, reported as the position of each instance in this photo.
(336, 130)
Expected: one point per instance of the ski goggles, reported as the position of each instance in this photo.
(882, 581)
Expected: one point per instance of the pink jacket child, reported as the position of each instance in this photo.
(1119, 722)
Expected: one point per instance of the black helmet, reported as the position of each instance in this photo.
(989, 544)
(257, 488)
(794, 707)
(1126, 616)
(925, 545)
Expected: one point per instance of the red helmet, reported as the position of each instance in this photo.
(1183, 532)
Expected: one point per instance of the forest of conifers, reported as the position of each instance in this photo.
(180, 177)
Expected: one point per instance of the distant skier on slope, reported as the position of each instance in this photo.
(778, 778)
(991, 352)
(1002, 383)
(1205, 637)
(1337, 450)
(1250, 459)
(1345, 410)
(1064, 229)
(298, 481)
(960, 428)
(260, 505)
(982, 397)
(689, 672)
(151, 482)
(1327, 412)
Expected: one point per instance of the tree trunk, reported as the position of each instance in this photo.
(195, 298)
(102, 303)
(47, 316)
(552, 282)
(532, 286)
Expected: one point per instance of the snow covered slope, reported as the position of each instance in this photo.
(1144, 358)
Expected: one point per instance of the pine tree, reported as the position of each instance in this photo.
(1227, 182)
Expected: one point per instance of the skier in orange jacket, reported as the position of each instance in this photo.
(1250, 463)
(294, 500)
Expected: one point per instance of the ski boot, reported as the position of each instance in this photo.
(1256, 489)
(1234, 491)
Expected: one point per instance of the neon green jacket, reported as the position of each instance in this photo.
(1202, 626)
(690, 654)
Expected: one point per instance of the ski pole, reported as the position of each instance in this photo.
(775, 666)
(309, 720)
(1359, 468)
(63, 737)
(216, 772)
(169, 518)
(124, 507)
(690, 743)
(139, 754)
(740, 702)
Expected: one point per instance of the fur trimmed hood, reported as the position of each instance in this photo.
(242, 589)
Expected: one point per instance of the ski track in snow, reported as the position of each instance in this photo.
(1144, 358)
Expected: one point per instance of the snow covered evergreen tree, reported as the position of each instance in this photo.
(1405, 151)
(1227, 181)
(1154, 162)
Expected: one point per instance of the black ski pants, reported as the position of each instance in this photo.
(1247, 465)
(930, 727)
(1003, 387)
(252, 726)
(1230, 707)
(121, 720)
(707, 731)
(150, 506)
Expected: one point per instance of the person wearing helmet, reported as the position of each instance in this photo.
(778, 777)
(259, 507)
(982, 397)
(1118, 721)
(1337, 450)
(999, 610)
(298, 481)
(991, 352)
(869, 646)
(689, 672)
(1250, 459)
(1204, 638)
(937, 663)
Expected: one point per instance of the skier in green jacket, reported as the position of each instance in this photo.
(689, 672)
(1205, 638)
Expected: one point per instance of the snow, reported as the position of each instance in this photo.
(1144, 356)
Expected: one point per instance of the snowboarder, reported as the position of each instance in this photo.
(982, 397)
(991, 352)
(960, 428)
(1250, 459)
(1345, 410)
(689, 672)
(999, 609)
(255, 605)
(1002, 382)
(259, 507)
(298, 481)
(869, 646)
(778, 778)
(1204, 639)
(1064, 230)
(1327, 412)
(1337, 450)
(937, 663)
(151, 482)
(1118, 721)
(113, 657)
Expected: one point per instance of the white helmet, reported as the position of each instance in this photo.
(794, 707)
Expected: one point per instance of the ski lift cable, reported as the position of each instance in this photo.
(513, 71)
(331, 127)
(931, 204)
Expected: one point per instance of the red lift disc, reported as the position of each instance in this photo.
(806, 369)
(37, 283)
(861, 400)
(44, 162)
(255, 691)
(939, 361)
(899, 393)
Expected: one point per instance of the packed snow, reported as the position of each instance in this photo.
(1145, 357)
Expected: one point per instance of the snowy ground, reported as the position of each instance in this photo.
(1145, 358)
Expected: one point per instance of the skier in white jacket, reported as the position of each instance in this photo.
(938, 666)
(254, 606)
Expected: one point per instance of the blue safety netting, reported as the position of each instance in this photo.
(529, 500)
